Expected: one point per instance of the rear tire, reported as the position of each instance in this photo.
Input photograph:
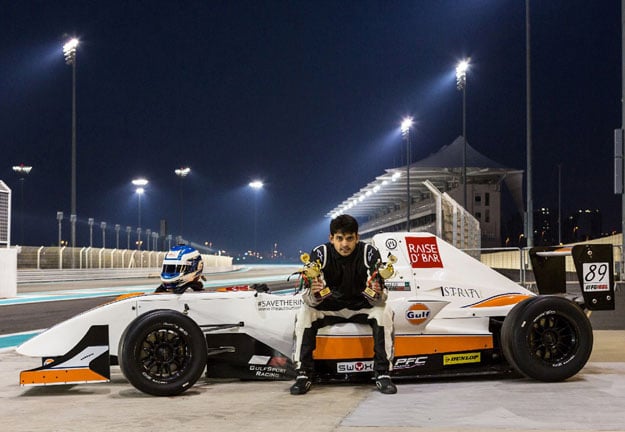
(547, 338)
(162, 352)
(512, 316)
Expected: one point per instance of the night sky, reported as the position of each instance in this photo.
(306, 96)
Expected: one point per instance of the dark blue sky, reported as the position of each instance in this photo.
(305, 95)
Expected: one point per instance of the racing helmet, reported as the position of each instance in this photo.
(182, 265)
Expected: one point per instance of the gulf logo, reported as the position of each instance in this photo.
(417, 314)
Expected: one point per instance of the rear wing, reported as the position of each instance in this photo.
(594, 267)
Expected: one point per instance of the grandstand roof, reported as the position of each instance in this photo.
(442, 168)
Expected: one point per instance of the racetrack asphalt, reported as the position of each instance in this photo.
(593, 400)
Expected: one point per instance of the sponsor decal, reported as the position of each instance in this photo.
(267, 371)
(596, 277)
(417, 313)
(596, 287)
(172, 255)
(452, 359)
(460, 292)
(409, 362)
(369, 254)
(319, 255)
(423, 252)
(354, 367)
(391, 244)
(562, 363)
(268, 360)
(545, 313)
(259, 360)
(286, 304)
(397, 286)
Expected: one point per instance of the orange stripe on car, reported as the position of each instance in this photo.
(436, 344)
(502, 300)
(128, 295)
(60, 376)
(342, 347)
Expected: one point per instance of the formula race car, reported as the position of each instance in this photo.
(453, 316)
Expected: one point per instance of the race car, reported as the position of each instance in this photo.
(453, 316)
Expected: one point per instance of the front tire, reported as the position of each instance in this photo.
(547, 338)
(162, 352)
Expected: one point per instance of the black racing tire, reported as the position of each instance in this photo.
(512, 316)
(162, 352)
(547, 338)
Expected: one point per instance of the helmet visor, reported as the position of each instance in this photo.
(173, 269)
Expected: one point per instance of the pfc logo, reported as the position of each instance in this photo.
(409, 362)
(417, 314)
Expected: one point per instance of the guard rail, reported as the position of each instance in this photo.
(68, 275)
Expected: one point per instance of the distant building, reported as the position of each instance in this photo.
(585, 224)
(5, 215)
(382, 204)
(545, 227)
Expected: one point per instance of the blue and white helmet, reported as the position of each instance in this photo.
(182, 265)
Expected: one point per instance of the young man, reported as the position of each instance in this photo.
(338, 296)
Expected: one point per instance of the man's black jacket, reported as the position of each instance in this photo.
(346, 276)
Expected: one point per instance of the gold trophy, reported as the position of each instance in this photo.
(384, 271)
(311, 271)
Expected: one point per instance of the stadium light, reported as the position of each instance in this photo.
(256, 184)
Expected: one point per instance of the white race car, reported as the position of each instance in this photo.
(453, 316)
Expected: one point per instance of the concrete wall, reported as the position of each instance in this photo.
(8, 272)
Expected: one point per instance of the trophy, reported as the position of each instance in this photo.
(311, 271)
(383, 271)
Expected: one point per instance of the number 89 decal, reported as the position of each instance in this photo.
(596, 277)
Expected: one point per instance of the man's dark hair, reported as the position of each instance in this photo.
(345, 224)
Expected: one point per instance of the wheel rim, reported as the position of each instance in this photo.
(164, 354)
(553, 339)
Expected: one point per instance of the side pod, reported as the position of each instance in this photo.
(88, 361)
(594, 267)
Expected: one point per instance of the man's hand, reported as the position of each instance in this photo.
(374, 292)
(316, 285)
(318, 288)
(375, 286)
(316, 291)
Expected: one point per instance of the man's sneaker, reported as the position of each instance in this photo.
(301, 386)
(385, 385)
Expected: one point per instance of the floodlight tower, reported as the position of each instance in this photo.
(528, 127)
(182, 173)
(140, 183)
(59, 218)
(103, 227)
(256, 186)
(128, 231)
(461, 84)
(22, 170)
(90, 221)
(406, 125)
(117, 228)
(69, 52)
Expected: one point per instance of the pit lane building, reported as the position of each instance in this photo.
(437, 195)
